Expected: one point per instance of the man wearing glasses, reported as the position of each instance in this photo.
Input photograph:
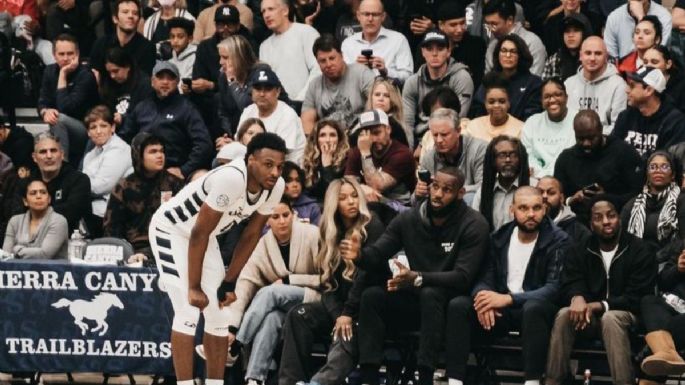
(648, 124)
(385, 51)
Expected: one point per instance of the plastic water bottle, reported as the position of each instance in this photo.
(76, 245)
(676, 302)
(586, 377)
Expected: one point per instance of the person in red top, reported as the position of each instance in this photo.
(21, 7)
(384, 166)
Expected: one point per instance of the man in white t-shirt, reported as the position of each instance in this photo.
(390, 53)
(183, 235)
(517, 289)
(277, 116)
(289, 49)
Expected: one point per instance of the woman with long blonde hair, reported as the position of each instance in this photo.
(385, 96)
(345, 212)
(324, 157)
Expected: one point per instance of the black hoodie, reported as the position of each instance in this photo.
(447, 256)
(631, 275)
(617, 167)
(647, 134)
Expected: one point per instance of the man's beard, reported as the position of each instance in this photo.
(553, 212)
(442, 212)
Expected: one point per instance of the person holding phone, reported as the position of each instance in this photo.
(385, 51)
(596, 165)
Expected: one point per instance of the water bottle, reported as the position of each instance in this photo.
(586, 377)
(76, 245)
(675, 302)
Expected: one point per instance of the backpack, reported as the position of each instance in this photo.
(27, 75)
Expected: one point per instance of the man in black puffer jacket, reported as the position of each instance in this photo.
(602, 285)
(170, 116)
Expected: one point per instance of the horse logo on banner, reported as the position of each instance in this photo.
(94, 310)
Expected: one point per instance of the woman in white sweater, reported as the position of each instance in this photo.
(280, 274)
(109, 161)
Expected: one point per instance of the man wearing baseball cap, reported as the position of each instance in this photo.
(466, 48)
(169, 115)
(205, 27)
(650, 122)
(384, 166)
(278, 117)
(439, 70)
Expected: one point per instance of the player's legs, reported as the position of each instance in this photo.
(169, 250)
(215, 339)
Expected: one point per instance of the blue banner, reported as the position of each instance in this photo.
(60, 317)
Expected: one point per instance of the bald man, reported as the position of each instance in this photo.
(516, 291)
(597, 85)
(390, 52)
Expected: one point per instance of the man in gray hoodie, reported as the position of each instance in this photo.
(439, 70)
(597, 85)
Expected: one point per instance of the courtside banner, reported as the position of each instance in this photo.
(60, 317)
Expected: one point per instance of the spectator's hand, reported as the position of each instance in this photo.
(579, 312)
(50, 116)
(349, 247)
(405, 278)
(309, 20)
(277, 282)
(185, 89)
(488, 300)
(327, 152)
(231, 338)
(197, 298)
(370, 193)
(487, 318)
(69, 68)
(378, 63)
(421, 25)
(421, 189)
(137, 258)
(201, 85)
(364, 143)
(681, 262)
(176, 171)
(361, 59)
(342, 328)
(66, 4)
(417, 154)
(222, 141)
(636, 9)
(578, 197)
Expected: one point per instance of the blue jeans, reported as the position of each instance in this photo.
(262, 325)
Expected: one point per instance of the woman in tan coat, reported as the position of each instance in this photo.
(280, 274)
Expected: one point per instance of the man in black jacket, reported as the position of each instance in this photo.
(517, 289)
(602, 284)
(126, 18)
(649, 123)
(170, 116)
(69, 189)
(445, 242)
(68, 91)
(597, 165)
(466, 48)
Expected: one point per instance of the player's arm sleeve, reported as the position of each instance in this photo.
(223, 188)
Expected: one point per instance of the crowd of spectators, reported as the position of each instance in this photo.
(526, 157)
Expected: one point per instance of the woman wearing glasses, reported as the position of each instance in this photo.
(512, 60)
(657, 214)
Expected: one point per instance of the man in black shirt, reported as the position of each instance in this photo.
(445, 242)
(466, 49)
(126, 17)
(17, 143)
